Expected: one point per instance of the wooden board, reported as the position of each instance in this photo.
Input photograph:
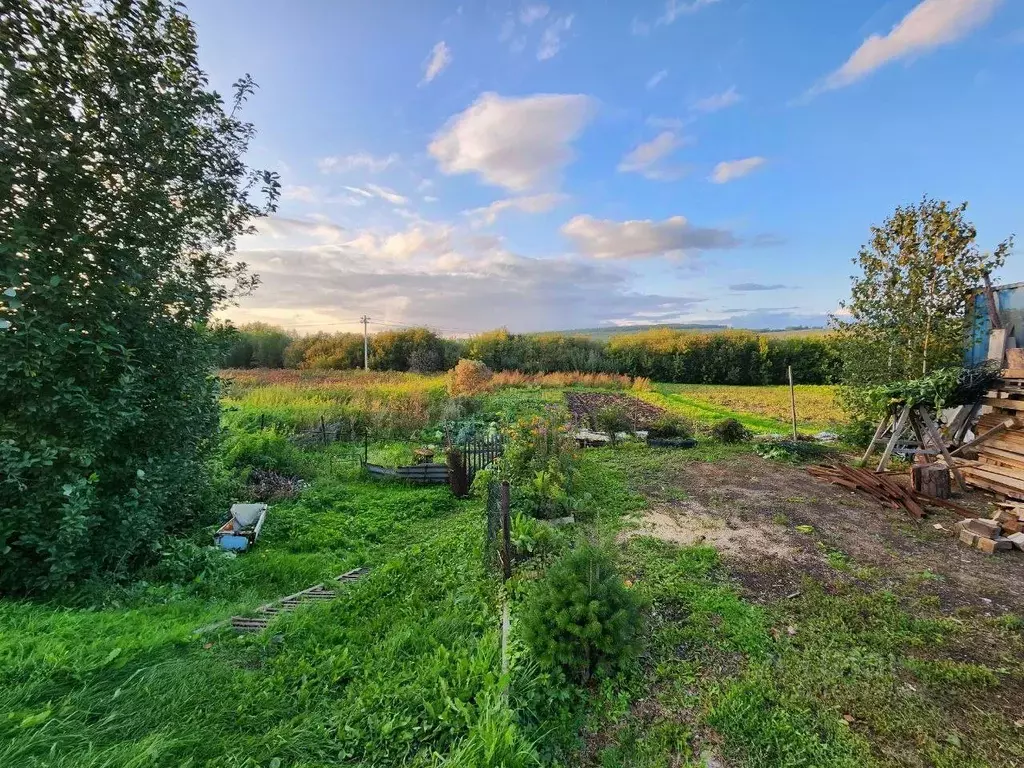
(1011, 473)
(1010, 458)
(1004, 403)
(994, 486)
(990, 473)
(1012, 373)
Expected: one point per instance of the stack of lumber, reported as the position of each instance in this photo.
(1000, 466)
(881, 488)
(999, 533)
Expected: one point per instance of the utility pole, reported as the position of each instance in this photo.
(366, 343)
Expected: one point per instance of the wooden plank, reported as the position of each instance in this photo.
(987, 435)
(989, 473)
(1009, 458)
(901, 423)
(1004, 403)
(1012, 373)
(1011, 473)
(933, 431)
(878, 435)
(988, 484)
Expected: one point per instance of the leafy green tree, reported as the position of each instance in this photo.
(123, 188)
(907, 308)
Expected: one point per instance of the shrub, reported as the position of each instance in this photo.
(267, 449)
(581, 617)
(730, 431)
(122, 192)
(670, 426)
(468, 377)
(183, 562)
(613, 419)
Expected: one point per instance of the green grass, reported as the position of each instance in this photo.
(401, 669)
(842, 675)
(760, 409)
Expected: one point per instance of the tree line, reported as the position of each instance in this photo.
(721, 357)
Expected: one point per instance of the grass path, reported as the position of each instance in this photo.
(397, 670)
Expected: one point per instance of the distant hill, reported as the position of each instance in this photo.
(603, 334)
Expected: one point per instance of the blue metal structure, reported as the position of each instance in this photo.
(1009, 302)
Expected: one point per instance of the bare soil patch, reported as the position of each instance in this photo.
(750, 509)
(585, 405)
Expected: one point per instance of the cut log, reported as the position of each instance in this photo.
(930, 480)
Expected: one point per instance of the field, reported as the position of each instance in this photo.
(787, 622)
(763, 409)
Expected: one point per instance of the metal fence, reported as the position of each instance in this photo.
(478, 453)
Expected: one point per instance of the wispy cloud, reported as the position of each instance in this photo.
(373, 190)
(646, 158)
(656, 78)
(440, 57)
(718, 101)
(676, 8)
(745, 287)
(551, 42)
(531, 13)
(359, 160)
(639, 28)
(930, 24)
(730, 170)
(527, 204)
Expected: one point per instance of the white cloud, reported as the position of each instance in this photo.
(373, 190)
(299, 192)
(359, 160)
(605, 239)
(639, 28)
(718, 101)
(529, 204)
(440, 57)
(929, 24)
(734, 169)
(656, 78)
(429, 275)
(516, 143)
(676, 8)
(646, 158)
(531, 13)
(551, 42)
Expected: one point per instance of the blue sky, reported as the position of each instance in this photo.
(550, 165)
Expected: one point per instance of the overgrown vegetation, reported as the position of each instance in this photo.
(122, 191)
(730, 431)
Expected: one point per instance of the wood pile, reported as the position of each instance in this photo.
(1001, 532)
(881, 488)
(1000, 465)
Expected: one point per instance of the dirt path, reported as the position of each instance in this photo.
(750, 510)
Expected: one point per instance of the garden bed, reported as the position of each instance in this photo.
(584, 406)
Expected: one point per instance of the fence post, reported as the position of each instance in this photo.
(792, 398)
(506, 534)
(323, 429)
